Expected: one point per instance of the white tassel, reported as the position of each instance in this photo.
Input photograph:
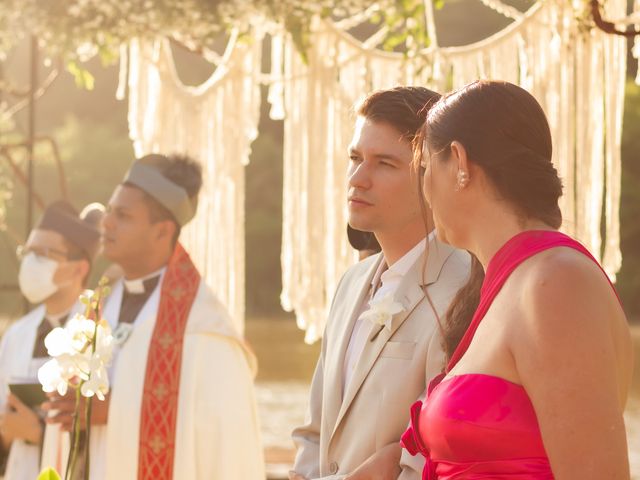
(276, 88)
(122, 72)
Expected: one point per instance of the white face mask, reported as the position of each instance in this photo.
(36, 277)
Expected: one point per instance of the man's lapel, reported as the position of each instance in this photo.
(334, 369)
(410, 294)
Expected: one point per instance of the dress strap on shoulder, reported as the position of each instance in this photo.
(517, 249)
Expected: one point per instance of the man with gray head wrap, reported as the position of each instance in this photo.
(182, 404)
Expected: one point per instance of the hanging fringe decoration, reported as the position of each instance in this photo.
(576, 75)
(503, 9)
(636, 43)
(123, 72)
(215, 123)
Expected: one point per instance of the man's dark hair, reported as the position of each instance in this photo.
(181, 170)
(404, 108)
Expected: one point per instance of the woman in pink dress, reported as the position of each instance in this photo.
(539, 351)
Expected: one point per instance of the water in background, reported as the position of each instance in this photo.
(286, 367)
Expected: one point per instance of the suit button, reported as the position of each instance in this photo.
(333, 468)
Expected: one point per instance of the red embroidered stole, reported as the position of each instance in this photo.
(159, 408)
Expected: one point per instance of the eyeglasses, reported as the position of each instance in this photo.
(47, 252)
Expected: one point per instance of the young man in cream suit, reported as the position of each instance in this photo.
(381, 345)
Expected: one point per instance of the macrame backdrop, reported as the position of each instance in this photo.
(577, 74)
(215, 123)
(635, 19)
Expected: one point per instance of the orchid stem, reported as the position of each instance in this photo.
(89, 406)
(73, 453)
(87, 438)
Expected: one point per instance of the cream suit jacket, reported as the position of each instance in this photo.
(343, 430)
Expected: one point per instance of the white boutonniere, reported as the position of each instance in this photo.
(381, 312)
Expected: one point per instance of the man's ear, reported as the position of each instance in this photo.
(84, 267)
(165, 229)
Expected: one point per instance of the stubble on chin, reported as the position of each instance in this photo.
(360, 223)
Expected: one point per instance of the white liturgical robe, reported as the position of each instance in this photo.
(17, 364)
(217, 430)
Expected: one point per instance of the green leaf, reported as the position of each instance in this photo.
(395, 40)
(299, 31)
(82, 76)
(108, 55)
(325, 12)
(48, 474)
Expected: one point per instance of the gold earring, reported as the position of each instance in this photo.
(463, 180)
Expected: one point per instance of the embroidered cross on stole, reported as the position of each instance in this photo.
(159, 408)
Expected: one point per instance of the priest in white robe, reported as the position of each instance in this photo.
(182, 403)
(55, 262)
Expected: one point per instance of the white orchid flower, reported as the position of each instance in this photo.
(81, 331)
(104, 343)
(98, 382)
(51, 376)
(58, 342)
(73, 359)
(381, 310)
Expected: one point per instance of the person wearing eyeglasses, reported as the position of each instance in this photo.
(55, 263)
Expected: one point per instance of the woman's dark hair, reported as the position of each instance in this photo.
(361, 240)
(504, 132)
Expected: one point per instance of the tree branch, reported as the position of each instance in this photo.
(606, 26)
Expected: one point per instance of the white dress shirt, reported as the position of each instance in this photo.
(386, 279)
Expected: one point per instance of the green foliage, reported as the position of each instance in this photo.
(95, 156)
(81, 29)
(406, 23)
(82, 76)
(48, 474)
(263, 222)
(628, 282)
(7, 134)
(78, 29)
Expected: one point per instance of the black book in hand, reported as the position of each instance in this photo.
(29, 392)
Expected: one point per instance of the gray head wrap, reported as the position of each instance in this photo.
(145, 175)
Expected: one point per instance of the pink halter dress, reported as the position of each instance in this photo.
(474, 426)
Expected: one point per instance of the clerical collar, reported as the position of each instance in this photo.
(141, 285)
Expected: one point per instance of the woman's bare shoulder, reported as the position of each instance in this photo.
(562, 292)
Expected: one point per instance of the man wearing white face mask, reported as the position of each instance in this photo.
(55, 263)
